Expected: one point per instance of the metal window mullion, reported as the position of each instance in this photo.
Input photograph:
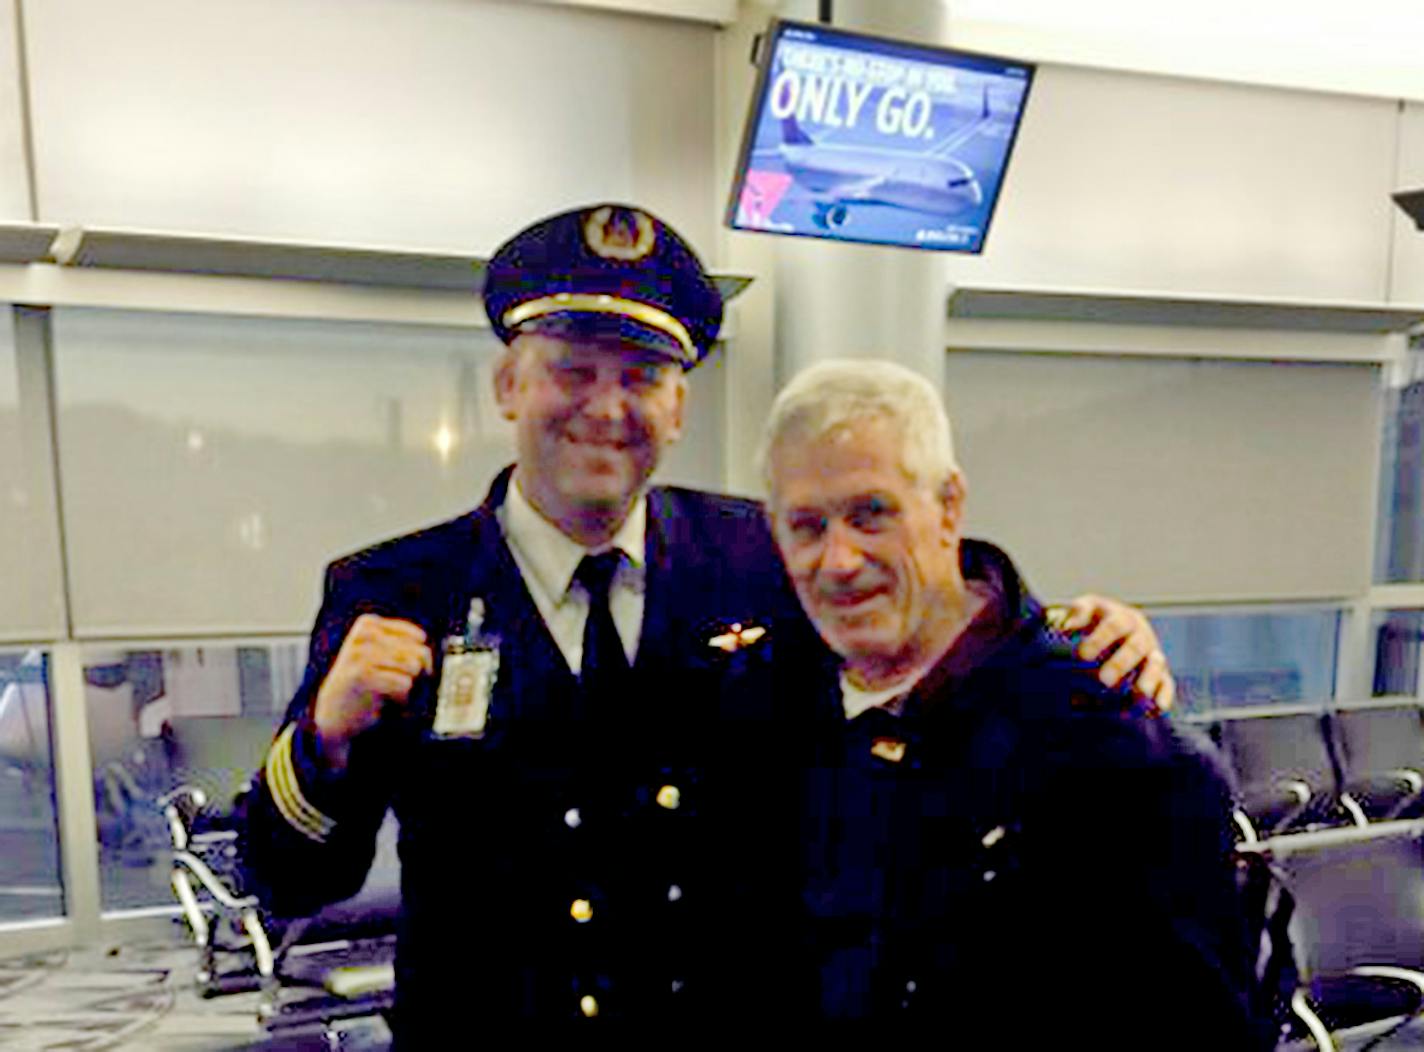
(1354, 669)
(69, 730)
(34, 374)
(74, 792)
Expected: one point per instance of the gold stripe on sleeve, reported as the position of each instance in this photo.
(287, 793)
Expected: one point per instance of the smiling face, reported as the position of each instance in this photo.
(873, 553)
(592, 418)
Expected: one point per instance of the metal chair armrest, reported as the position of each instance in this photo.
(1244, 826)
(1297, 788)
(192, 908)
(210, 882)
(1302, 793)
(192, 793)
(212, 840)
(1410, 777)
(1319, 1032)
(1353, 808)
(1389, 971)
(1386, 794)
(179, 806)
(1415, 783)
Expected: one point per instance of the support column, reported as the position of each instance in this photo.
(836, 300)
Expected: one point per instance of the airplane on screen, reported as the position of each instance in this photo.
(839, 176)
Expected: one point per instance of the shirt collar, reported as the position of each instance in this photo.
(552, 556)
(975, 642)
(855, 700)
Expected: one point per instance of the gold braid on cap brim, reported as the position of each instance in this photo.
(591, 303)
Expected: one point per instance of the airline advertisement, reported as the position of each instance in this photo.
(857, 138)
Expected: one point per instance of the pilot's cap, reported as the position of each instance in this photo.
(605, 271)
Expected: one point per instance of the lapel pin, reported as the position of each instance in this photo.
(891, 750)
(736, 637)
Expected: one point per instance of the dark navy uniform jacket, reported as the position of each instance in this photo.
(690, 906)
(1020, 859)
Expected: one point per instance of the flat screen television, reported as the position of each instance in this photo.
(860, 138)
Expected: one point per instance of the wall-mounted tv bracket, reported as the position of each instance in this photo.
(1412, 201)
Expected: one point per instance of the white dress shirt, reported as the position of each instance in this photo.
(547, 559)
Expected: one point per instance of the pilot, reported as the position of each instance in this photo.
(579, 697)
(997, 845)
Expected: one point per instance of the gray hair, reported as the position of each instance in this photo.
(829, 395)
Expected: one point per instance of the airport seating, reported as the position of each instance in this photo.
(1302, 767)
(212, 759)
(1287, 774)
(1380, 746)
(1349, 919)
(313, 972)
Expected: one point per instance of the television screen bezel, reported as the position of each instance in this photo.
(767, 42)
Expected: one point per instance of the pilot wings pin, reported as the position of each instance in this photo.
(736, 637)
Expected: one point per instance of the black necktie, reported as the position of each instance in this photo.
(605, 662)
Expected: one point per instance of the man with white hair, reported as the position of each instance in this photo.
(989, 829)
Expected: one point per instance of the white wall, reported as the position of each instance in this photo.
(14, 174)
(1123, 180)
(441, 124)
(1407, 261)
(1366, 46)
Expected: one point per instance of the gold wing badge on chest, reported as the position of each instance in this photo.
(736, 636)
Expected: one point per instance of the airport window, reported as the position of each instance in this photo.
(213, 464)
(1395, 636)
(158, 718)
(1399, 543)
(30, 884)
(1226, 659)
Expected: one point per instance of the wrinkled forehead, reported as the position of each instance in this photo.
(866, 441)
(844, 462)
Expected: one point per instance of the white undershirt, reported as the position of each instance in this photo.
(547, 559)
(855, 700)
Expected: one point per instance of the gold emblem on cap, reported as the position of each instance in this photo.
(581, 911)
(588, 1005)
(670, 797)
(619, 233)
